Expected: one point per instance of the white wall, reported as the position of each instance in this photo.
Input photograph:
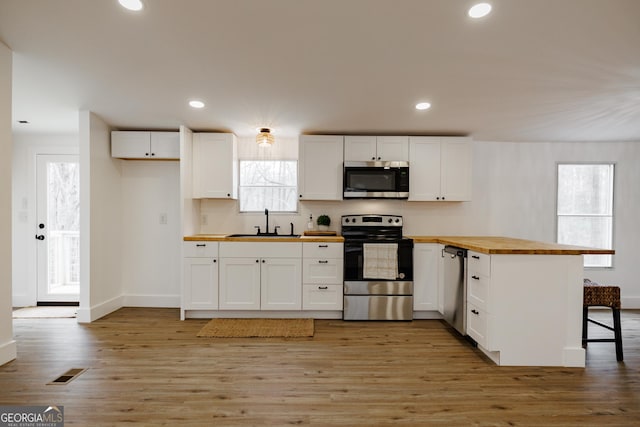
(151, 250)
(101, 290)
(8, 349)
(513, 195)
(26, 147)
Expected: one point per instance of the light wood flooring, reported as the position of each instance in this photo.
(146, 367)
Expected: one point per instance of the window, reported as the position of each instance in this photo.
(268, 184)
(585, 208)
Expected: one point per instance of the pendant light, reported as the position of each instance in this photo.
(265, 138)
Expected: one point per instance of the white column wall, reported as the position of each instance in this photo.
(8, 349)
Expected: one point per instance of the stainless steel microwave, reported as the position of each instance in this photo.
(376, 180)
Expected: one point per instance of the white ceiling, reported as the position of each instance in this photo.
(533, 70)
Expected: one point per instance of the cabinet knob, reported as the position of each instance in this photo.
(379, 158)
(263, 261)
(475, 311)
(228, 194)
(257, 260)
(153, 154)
(442, 197)
(438, 198)
(146, 154)
(301, 196)
(475, 277)
(323, 287)
(373, 158)
(475, 257)
(323, 262)
(215, 260)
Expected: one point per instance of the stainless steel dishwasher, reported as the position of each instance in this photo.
(455, 287)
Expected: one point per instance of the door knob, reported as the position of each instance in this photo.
(40, 236)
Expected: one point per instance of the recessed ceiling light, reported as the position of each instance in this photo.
(196, 104)
(423, 106)
(134, 5)
(479, 10)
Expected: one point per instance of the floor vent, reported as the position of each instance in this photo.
(68, 376)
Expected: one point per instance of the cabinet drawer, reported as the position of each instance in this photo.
(322, 270)
(321, 297)
(479, 263)
(478, 290)
(477, 321)
(200, 249)
(322, 250)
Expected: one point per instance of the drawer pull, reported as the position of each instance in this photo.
(201, 245)
(323, 262)
(323, 246)
(475, 277)
(323, 287)
(475, 257)
(475, 311)
(215, 260)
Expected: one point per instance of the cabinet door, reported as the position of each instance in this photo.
(456, 164)
(281, 280)
(131, 144)
(215, 163)
(426, 261)
(200, 284)
(359, 148)
(239, 284)
(393, 148)
(424, 168)
(165, 145)
(322, 297)
(320, 167)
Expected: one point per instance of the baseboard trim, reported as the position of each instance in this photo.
(88, 315)
(631, 303)
(154, 301)
(8, 352)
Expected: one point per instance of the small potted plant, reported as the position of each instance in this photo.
(323, 222)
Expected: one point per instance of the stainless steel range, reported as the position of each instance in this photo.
(378, 268)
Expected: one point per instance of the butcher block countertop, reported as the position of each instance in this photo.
(226, 238)
(508, 245)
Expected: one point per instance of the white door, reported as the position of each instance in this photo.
(281, 284)
(239, 284)
(424, 180)
(57, 228)
(393, 148)
(200, 291)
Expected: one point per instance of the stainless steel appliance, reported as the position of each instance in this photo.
(455, 287)
(378, 268)
(376, 180)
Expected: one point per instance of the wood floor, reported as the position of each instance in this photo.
(146, 367)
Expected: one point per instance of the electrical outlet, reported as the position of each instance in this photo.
(204, 220)
(163, 218)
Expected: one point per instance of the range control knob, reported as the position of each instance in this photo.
(353, 219)
(390, 220)
(397, 220)
(346, 220)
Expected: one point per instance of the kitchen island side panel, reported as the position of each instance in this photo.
(537, 308)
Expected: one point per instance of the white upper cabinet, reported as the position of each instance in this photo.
(376, 148)
(215, 166)
(145, 145)
(320, 167)
(441, 168)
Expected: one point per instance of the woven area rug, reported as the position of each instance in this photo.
(42, 312)
(246, 328)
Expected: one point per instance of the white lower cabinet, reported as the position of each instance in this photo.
(426, 269)
(200, 276)
(322, 276)
(260, 276)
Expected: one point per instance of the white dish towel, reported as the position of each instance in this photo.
(380, 261)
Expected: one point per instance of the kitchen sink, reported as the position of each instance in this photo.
(281, 236)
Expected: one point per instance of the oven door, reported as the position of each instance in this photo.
(354, 259)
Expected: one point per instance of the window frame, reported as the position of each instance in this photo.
(613, 205)
(261, 212)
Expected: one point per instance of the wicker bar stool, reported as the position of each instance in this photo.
(602, 296)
